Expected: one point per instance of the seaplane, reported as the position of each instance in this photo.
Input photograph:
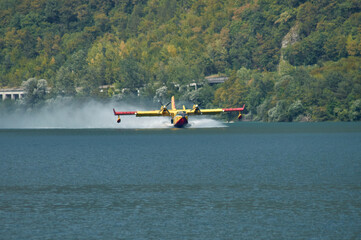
(179, 117)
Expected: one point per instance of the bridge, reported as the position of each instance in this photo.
(11, 93)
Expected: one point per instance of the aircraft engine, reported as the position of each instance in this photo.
(196, 109)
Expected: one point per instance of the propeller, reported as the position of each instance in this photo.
(163, 107)
(160, 102)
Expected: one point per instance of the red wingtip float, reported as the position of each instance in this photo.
(179, 118)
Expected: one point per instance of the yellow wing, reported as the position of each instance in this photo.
(149, 113)
(197, 111)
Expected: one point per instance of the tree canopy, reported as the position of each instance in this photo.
(287, 60)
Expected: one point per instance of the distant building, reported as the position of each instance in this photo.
(215, 79)
(194, 85)
(11, 93)
(105, 88)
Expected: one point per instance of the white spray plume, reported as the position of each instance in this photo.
(64, 113)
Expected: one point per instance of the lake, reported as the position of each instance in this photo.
(234, 181)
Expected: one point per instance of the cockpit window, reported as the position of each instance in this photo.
(182, 113)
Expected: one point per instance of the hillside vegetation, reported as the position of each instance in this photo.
(287, 60)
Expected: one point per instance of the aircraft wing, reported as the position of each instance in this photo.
(150, 113)
(142, 113)
(197, 111)
(204, 111)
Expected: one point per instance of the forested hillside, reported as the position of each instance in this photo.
(287, 60)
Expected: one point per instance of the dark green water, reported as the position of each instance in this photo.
(243, 181)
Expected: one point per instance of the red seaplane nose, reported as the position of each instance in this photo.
(181, 122)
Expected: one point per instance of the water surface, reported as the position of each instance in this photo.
(242, 181)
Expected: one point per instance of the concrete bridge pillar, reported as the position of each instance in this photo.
(13, 94)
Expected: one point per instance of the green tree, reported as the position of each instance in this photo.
(64, 82)
(51, 11)
(36, 91)
(279, 112)
(132, 74)
(134, 20)
(295, 109)
(355, 110)
(307, 17)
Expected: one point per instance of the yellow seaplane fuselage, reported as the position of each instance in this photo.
(179, 118)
